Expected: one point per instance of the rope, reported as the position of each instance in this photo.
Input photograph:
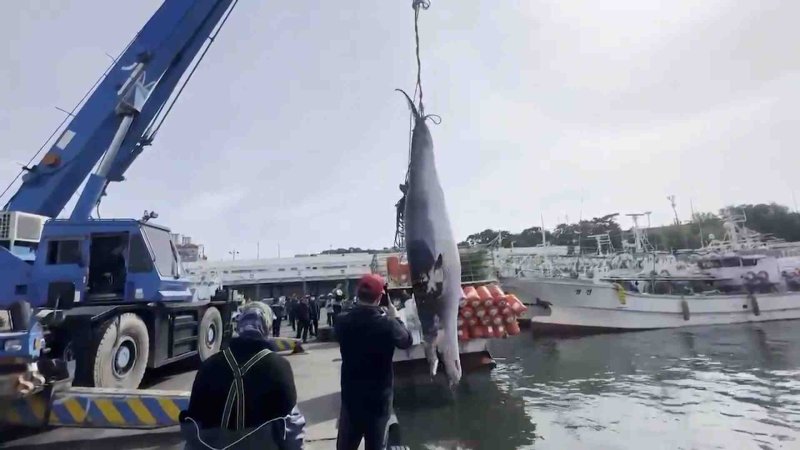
(416, 5)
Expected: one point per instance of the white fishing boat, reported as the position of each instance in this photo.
(724, 289)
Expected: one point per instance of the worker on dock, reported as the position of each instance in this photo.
(245, 396)
(277, 310)
(314, 309)
(368, 335)
(338, 298)
(303, 316)
(291, 308)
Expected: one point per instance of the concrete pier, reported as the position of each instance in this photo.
(316, 375)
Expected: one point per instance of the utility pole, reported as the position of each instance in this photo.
(233, 253)
(258, 249)
(671, 199)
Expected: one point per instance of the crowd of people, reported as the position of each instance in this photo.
(245, 396)
(304, 313)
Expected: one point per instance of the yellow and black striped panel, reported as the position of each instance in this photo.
(288, 344)
(103, 409)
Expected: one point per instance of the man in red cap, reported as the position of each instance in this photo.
(368, 335)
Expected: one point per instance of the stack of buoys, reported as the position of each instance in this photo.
(488, 312)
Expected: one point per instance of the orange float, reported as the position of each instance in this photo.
(467, 312)
(478, 332)
(496, 292)
(470, 293)
(499, 331)
(515, 304)
(512, 328)
(463, 334)
(483, 293)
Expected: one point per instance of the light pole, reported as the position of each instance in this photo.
(233, 253)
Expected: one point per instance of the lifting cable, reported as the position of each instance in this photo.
(399, 235)
(417, 5)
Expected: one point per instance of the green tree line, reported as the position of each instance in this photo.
(772, 220)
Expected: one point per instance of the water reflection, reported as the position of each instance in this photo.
(714, 387)
(482, 415)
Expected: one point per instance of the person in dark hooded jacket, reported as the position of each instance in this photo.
(245, 395)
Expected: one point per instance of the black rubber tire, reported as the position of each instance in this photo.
(122, 330)
(211, 318)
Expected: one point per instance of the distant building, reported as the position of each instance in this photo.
(187, 250)
(273, 277)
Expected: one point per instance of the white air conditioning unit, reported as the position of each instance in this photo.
(21, 227)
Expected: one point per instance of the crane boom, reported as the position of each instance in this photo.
(114, 122)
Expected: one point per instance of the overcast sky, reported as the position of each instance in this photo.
(290, 132)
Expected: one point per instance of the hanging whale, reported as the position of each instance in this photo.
(432, 254)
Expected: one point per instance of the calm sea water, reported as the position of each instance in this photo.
(724, 387)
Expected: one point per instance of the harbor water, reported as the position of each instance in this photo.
(722, 387)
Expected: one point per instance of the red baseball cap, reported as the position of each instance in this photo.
(371, 284)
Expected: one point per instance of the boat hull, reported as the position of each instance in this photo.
(576, 306)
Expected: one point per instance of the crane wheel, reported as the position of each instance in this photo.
(121, 353)
(209, 333)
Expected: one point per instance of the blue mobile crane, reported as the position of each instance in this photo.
(102, 300)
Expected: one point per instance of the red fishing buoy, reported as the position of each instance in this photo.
(515, 304)
(496, 292)
(477, 332)
(463, 334)
(483, 293)
(470, 293)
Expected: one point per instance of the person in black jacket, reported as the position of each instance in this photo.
(277, 310)
(367, 338)
(303, 315)
(245, 393)
(314, 307)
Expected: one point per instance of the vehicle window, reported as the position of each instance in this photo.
(710, 264)
(139, 257)
(749, 262)
(161, 245)
(64, 252)
(731, 262)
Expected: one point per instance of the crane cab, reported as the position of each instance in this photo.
(106, 262)
(111, 297)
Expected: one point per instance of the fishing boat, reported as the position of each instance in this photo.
(723, 289)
